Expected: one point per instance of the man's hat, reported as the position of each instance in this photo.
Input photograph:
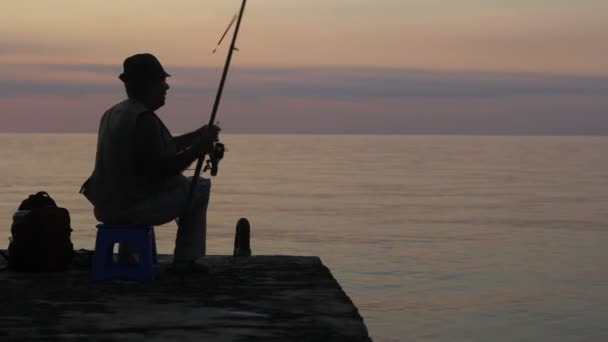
(142, 67)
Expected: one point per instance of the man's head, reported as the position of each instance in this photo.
(145, 80)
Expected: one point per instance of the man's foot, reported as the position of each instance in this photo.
(188, 267)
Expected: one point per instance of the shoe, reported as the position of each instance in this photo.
(187, 268)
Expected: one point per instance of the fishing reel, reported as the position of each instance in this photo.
(215, 155)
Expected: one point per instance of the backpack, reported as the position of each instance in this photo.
(40, 236)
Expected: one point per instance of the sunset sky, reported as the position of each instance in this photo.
(339, 66)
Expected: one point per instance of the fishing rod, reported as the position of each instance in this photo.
(217, 151)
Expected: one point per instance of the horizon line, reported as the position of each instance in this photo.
(348, 134)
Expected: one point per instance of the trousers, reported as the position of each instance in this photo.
(170, 204)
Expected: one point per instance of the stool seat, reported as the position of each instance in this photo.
(140, 236)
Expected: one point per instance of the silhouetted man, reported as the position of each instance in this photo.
(138, 167)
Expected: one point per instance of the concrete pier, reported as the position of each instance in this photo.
(261, 298)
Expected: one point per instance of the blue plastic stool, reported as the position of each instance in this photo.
(142, 237)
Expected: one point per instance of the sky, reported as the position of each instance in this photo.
(315, 66)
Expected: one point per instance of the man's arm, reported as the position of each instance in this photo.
(186, 140)
(190, 139)
(156, 160)
(153, 160)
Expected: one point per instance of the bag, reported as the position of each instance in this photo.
(40, 236)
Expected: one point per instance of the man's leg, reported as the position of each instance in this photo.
(190, 242)
(169, 204)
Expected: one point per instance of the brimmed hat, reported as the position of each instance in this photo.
(142, 67)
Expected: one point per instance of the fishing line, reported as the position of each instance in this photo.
(225, 32)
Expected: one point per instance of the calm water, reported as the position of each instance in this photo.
(435, 238)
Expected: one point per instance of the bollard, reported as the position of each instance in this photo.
(242, 247)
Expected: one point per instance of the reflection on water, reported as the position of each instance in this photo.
(435, 238)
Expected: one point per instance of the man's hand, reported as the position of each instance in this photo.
(203, 143)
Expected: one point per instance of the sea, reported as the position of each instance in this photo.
(434, 238)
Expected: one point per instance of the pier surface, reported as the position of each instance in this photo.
(261, 298)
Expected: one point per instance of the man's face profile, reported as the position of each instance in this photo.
(157, 93)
